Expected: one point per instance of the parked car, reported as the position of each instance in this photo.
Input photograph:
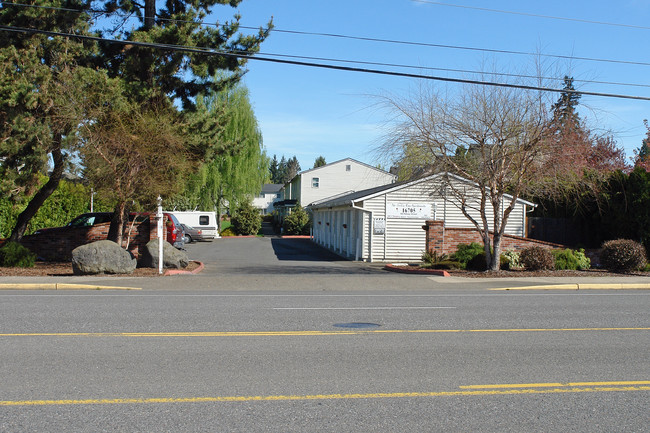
(192, 234)
(175, 235)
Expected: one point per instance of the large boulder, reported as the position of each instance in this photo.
(172, 258)
(102, 257)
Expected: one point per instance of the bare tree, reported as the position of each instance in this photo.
(498, 138)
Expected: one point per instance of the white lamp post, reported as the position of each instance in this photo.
(159, 219)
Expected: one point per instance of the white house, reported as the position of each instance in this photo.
(264, 201)
(385, 223)
(340, 177)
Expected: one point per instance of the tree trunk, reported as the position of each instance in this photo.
(495, 263)
(116, 230)
(39, 198)
(149, 14)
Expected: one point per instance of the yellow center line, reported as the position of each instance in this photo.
(551, 385)
(301, 333)
(529, 390)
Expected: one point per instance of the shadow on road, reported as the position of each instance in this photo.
(297, 270)
(302, 250)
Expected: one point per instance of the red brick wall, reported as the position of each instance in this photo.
(445, 240)
(57, 244)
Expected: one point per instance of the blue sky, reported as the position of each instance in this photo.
(309, 112)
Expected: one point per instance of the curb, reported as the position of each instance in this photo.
(62, 286)
(581, 286)
(182, 272)
(401, 270)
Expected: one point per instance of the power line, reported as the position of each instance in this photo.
(527, 14)
(399, 42)
(213, 52)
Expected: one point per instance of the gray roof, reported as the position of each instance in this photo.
(271, 188)
(371, 192)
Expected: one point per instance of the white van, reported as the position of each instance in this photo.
(205, 221)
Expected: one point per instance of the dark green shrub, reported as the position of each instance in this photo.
(623, 255)
(465, 253)
(478, 262)
(446, 264)
(297, 222)
(432, 260)
(14, 255)
(537, 259)
(247, 220)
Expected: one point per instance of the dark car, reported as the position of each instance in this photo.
(192, 234)
(175, 235)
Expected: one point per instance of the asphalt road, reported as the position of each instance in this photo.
(243, 348)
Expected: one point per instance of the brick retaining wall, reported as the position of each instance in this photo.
(57, 244)
(445, 240)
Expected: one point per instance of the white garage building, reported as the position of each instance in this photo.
(385, 223)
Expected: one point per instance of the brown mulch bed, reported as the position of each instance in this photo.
(522, 273)
(64, 269)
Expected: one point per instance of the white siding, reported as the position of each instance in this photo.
(334, 179)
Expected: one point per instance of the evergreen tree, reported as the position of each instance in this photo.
(282, 171)
(40, 98)
(293, 168)
(320, 161)
(564, 110)
(273, 170)
(153, 74)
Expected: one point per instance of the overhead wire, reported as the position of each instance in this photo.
(390, 41)
(208, 51)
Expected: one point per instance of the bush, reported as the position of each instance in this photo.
(14, 255)
(465, 253)
(247, 220)
(434, 261)
(571, 260)
(297, 222)
(623, 255)
(228, 232)
(478, 263)
(513, 259)
(537, 259)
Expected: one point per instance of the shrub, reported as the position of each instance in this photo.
(571, 260)
(14, 255)
(434, 261)
(297, 222)
(623, 255)
(478, 262)
(537, 259)
(228, 232)
(247, 220)
(466, 252)
(513, 259)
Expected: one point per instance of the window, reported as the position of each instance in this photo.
(348, 167)
(314, 182)
(204, 220)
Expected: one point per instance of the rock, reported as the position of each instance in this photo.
(172, 258)
(102, 257)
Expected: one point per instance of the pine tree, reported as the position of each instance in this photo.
(40, 101)
(319, 162)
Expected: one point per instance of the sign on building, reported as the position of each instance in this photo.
(379, 226)
(409, 210)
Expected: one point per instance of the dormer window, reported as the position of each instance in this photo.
(315, 182)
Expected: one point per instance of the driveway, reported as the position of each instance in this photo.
(273, 256)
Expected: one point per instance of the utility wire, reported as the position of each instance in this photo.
(212, 52)
(527, 14)
(401, 42)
